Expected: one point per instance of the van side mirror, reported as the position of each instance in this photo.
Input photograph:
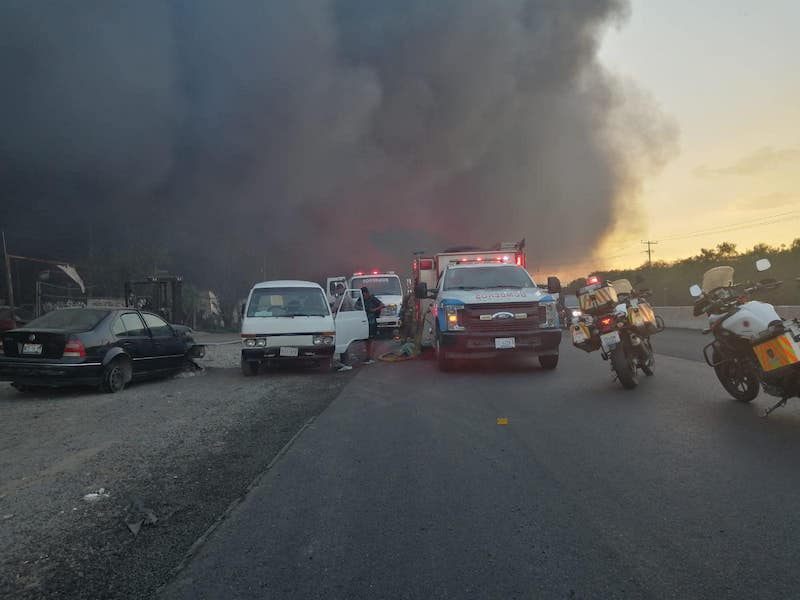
(421, 291)
(553, 285)
(696, 291)
(242, 310)
(763, 264)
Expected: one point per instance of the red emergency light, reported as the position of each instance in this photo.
(520, 260)
(426, 264)
(591, 280)
(375, 272)
(479, 259)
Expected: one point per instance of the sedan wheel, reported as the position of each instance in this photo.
(115, 377)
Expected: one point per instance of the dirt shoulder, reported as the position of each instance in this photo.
(169, 457)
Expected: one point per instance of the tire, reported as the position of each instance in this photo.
(115, 376)
(738, 377)
(624, 367)
(444, 363)
(649, 367)
(326, 365)
(250, 367)
(549, 361)
(344, 357)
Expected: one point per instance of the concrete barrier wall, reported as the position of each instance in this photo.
(681, 316)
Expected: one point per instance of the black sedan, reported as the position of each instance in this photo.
(90, 346)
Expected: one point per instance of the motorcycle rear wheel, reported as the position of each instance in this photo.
(649, 366)
(624, 366)
(738, 377)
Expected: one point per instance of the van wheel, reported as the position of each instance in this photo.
(250, 367)
(549, 361)
(115, 376)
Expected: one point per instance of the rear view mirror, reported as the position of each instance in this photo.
(763, 264)
(696, 291)
(553, 285)
(421, 291)
(242, 310)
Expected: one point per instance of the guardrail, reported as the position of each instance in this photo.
(681, 316)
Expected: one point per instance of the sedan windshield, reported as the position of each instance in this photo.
(481, 278)
(380, 286)
(288, 302)
(69, 319)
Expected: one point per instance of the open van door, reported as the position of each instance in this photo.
(351, 320)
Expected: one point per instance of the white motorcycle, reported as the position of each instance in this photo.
(753, 346)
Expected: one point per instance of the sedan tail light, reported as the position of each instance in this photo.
(74, 349)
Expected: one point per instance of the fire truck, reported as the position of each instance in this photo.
(482, 303)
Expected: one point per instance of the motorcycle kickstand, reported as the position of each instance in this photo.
(775, 406)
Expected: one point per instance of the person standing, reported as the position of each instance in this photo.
(373, 306)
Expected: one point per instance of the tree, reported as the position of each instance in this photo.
(726, 249)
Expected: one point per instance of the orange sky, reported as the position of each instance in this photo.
(728, 74)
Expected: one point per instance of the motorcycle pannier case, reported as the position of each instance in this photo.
(582, 338)
(780, 351)
(642, 318)
(597, 299)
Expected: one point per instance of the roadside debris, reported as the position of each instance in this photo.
(137, 515)
(100, 494)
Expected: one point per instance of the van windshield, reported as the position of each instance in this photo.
(288, 302)
(381, 285)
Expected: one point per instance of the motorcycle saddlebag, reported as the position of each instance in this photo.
(642, 318)
(582, 338)
(598, 298)
(780, 351)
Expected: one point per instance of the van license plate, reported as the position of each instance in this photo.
(288, 351)
(504, 343)
(31, 348)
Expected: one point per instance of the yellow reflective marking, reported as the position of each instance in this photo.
(502, 421)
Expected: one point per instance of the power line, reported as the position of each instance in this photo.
(769, 220)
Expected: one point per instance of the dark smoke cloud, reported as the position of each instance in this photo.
(315, 135)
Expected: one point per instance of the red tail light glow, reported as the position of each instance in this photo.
(74, 349)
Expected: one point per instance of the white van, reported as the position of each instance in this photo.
(292, 321)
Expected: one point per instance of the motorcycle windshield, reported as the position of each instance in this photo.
(716, 278)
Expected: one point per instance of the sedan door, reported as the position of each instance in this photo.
(132, 336)
(168, 348)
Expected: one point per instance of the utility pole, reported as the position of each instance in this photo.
(649, 252)
(9, 285)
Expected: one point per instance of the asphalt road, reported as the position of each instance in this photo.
(406, 486)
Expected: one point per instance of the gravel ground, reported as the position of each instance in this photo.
(167, 457)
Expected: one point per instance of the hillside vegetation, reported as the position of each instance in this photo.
(670, 281)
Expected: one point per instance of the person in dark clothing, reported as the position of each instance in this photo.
(373, 306)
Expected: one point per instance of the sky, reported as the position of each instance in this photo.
(728, 73)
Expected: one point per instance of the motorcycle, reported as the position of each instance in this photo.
(618, 321)
(753, 347)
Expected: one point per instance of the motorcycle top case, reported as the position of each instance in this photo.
(642, 318)
(598, 298)
(780, 351)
